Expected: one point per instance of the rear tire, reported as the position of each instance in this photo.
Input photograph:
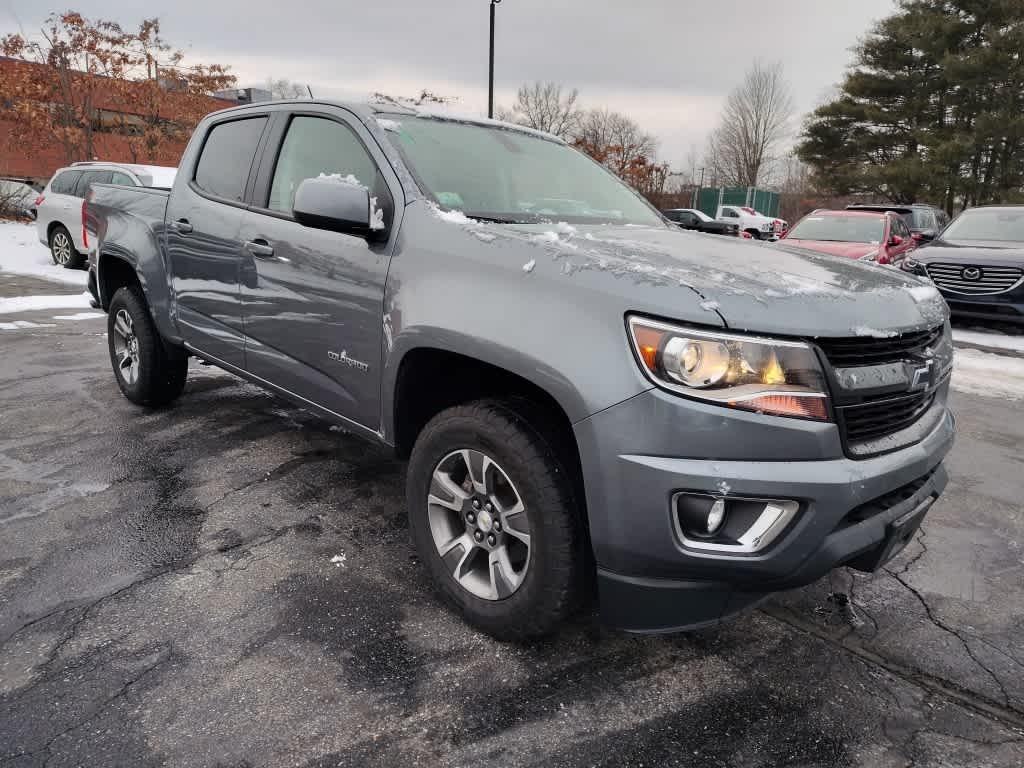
(62, 249)
(528, 589)
(146, 371)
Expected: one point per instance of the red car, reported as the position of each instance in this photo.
(867, 235)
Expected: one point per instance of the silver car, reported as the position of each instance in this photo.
(59, 211)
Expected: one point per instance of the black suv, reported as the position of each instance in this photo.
(691, 218)
(924, 221)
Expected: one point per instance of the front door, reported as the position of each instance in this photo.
(203, 221)
(313, 299)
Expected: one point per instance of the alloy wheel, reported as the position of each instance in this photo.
(126, 347)
(479, 524)
(62, 248)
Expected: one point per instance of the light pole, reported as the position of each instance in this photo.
(490, 73)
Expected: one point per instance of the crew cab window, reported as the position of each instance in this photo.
(317, 146)
(223, 166)
(64, 183)
(122, 178)
(730, 213)
(88, 179)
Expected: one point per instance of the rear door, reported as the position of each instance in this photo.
(313, 299)
(203, 246)
(58, 201)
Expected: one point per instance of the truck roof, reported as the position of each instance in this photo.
(367, 111)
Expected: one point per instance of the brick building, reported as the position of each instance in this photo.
(114, 124)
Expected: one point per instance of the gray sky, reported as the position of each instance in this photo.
(667, 63)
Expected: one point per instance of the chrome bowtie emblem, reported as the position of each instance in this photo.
(970, 273)
(921, 377)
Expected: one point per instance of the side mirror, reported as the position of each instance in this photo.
(925, 236)
(333, 204)
(895, 240)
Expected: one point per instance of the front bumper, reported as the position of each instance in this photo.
(1006, 307)
(649, 581)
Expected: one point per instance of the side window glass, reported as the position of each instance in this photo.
(122, 178)
(317, 146)
(64, 183)
(226, 158)
(88, 179)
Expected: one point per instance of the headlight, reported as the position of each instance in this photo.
(912, 265)
(771, 376)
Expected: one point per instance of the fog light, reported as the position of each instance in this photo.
(716, 516)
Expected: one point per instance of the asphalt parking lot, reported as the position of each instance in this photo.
(230, 583)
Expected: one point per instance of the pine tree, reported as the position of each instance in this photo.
(931, 110)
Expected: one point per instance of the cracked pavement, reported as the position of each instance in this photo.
(168, 598)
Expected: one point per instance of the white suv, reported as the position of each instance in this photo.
(59, 207)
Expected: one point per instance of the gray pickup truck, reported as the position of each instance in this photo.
(592, 401)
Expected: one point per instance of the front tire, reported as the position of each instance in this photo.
(62, 249)
(754, 234)
(492, 515)
(147, 373)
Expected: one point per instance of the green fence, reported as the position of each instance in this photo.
(761, 200)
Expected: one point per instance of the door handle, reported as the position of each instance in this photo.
(261, 249)
(183, 226)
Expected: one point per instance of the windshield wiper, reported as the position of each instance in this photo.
(494, 219)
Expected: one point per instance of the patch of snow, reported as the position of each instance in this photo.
(389, 125)
(16, 325)
(486, 237)
(21, 253)
(987, 374)
(709, 306)
(338, 561)
(774, 294)
(922, 293)
(546, 237)
(862, 330)
(565, 228)
(455, 217)
(996, 340)
(723, 487)
(29, 303)
(376, 215)
(346, 179)
(528, 266)
(79, 316)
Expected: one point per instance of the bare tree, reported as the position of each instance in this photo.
(742, 150)
(545, 107)
(284, 89)
(614, 139)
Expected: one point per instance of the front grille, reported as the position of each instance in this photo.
(883, 416)
(974, 279)
(868, 350)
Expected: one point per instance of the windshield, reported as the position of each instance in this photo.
(504, 175)
(845, 229)
(1005, 224)
(700, 215)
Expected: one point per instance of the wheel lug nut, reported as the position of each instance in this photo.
(497, 525)
(491, 540)
(471, 517)
(476, 503)
(489, 507)
(478, 535)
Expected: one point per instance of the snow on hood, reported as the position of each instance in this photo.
(751, 286)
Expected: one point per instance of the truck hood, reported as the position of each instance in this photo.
(846, 250)
(973, 252)
(751, 286)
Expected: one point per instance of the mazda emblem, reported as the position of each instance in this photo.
(970, 273)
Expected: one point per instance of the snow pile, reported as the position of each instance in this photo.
(17, 325)
(389, 125)
(862, 330)
(995, 340)
(455, 217)
(528, 266)
(21, 253)
(339, 560)
(709, 306)
(983, 373)
(79, 316)
(32, 303)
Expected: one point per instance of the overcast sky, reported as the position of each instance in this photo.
(667, 63)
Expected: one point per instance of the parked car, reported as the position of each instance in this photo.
(17, 197)
(689, 424)
(758, 226)
(59, 207)
(977, 263)
(923, 221)
(866, 235)
(690, 218)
